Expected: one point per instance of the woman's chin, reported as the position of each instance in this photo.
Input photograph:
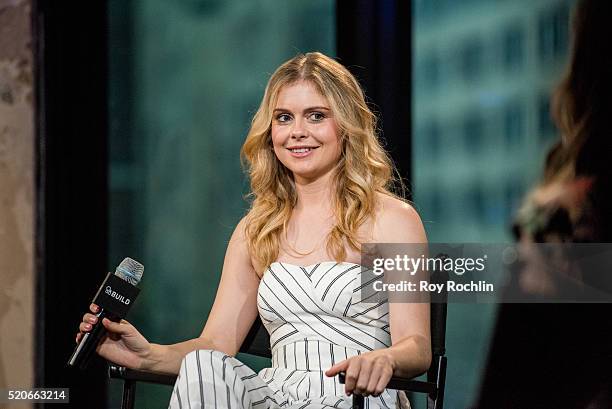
(302, 177)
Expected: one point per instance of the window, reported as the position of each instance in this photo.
(473, 130)
(546, 127)
(513, 48)
(514, 124)
(185, 79)
(472, 53)
(485, 107)
(476, 201)
(430, 71)
(553, 33)
(431, 139)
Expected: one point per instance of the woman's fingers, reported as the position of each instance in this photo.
(122, 328)
(90, 318)
(375, 375)
(338, 367)
(361, 385)
(88, 321)
(367, 376)
(382, 382)
(352, 375)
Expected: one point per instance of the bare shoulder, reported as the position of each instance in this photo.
(237, 248)
(397, 222)
(239, 238)
(240, 248)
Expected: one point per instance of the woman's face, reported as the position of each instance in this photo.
(304, 132)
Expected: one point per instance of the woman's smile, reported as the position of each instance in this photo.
(301, 152)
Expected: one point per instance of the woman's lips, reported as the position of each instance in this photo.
(301, 152)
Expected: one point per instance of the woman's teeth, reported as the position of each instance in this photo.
(301, 150)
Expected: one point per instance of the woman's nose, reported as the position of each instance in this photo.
(298, 131)
(298, 135)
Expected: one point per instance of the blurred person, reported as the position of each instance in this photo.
(321, 184)
(560, 355)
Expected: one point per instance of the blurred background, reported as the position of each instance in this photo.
(483, 72)
(141, 107)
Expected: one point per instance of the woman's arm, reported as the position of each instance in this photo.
(410, 352)
(409, 323)
(232, 315)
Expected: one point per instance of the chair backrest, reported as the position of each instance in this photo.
(438, 307)
(257, 341)
(438, 313)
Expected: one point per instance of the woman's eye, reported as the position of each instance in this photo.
(317, 116)
(283, 117)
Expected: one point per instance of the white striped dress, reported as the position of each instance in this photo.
(315, 317)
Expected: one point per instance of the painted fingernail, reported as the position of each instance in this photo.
(88, 326)
(93, 320)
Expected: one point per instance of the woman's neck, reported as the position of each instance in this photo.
(315, 195)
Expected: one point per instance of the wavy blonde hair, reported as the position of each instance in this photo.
(363, 169)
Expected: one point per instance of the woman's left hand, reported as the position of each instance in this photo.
(366, 374)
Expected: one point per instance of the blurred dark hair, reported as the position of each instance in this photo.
(581, 105)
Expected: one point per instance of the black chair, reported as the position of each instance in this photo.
(257, 343)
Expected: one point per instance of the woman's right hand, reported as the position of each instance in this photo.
(122, 344)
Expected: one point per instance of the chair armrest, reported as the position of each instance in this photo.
(121, 372)
(403, 384)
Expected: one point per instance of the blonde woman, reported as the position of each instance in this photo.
(320, 186)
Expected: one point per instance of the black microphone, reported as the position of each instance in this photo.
(115, 297)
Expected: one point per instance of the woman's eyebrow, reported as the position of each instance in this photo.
(317, 108)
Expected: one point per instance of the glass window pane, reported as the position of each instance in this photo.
(498, 62)
(513, 47)
(185, 79)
